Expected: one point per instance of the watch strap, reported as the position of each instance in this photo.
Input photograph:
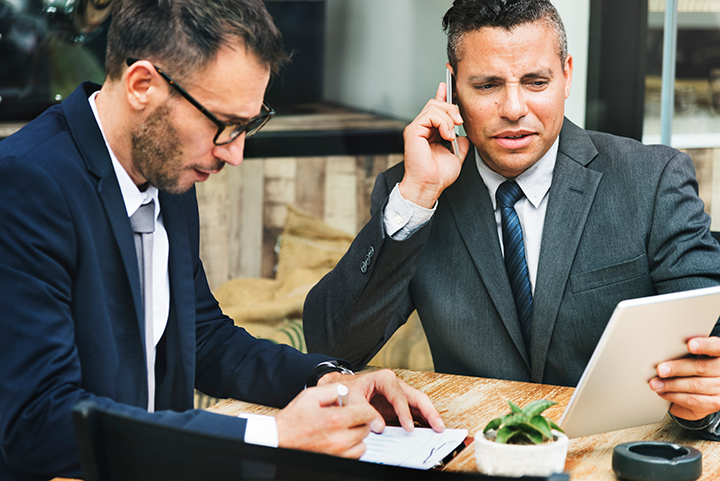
(323, 368)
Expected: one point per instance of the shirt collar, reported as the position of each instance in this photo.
(535, 182)
(132, 196)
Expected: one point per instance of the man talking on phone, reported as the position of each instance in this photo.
(516, 251)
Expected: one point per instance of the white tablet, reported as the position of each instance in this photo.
(613, 392)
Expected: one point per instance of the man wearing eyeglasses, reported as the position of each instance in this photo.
(99, 305)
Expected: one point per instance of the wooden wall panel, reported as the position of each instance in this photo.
(341, 194)
(367, 169)
(243, 209)
(248, 223)
(279, 192)
(214, 209)
(309, 185)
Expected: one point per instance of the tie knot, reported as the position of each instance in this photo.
(508, 193)
(143, 220)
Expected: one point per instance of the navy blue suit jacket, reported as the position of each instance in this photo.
(71, 319)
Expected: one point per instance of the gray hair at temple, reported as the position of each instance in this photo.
(184, 36)
(466, 16)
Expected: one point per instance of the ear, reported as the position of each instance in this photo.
(144, 87)
(567, 74)
(449, 67)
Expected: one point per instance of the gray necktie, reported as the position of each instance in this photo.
(143, 224)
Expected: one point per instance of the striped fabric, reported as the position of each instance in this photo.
(507, 195)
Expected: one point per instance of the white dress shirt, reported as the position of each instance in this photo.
(134, 198)
(259, 429)
(403, 217)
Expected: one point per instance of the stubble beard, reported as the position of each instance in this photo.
(156, 152)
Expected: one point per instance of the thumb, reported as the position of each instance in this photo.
(326, 395)
(463, 147)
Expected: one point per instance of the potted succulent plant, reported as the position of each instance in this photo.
(523, 442)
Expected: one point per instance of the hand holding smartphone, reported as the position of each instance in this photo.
(449, 99)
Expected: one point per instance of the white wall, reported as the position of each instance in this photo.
(388, 56)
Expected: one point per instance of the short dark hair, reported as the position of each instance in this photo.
(466, 16)
(183, 36)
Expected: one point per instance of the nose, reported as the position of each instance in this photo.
(513, 105)
(231, 153)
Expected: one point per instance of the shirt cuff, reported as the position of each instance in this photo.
(403, 217)
(260, 430)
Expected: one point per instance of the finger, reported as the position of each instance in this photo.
(701, 366)
(452, 109)
(441, 93)
(446, 110)
(357, 416)
(355, 452)
(704, 346)
(691, 385)
(435, 119)
(691, 406)
(389, 386)
(388, 398)
(440, 105)
(378, 424)
(325, 395)
(421, 404)
(342, 442)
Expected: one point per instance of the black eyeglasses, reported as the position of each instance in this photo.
(227, 132)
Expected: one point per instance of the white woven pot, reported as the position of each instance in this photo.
(520, 460)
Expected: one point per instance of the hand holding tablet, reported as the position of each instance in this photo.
(613, 392)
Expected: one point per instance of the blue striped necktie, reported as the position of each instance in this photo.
(507, 195)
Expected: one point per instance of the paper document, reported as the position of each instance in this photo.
(421, 449)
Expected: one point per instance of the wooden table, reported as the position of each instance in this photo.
(469, 403)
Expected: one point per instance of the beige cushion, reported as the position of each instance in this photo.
(272, 308)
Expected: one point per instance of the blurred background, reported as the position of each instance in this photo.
(360, 71)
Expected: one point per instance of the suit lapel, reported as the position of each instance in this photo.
(181, 323)
(91, 145)
(472, 209)
(570, 199)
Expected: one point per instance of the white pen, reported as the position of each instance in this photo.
(342, 391)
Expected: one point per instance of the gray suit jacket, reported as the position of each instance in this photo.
(623, 221)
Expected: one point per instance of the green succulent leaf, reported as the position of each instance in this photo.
(524, 426)
(533, 434)
(536, 407)
(542, 425)
(505, 434)
(514, 408)
(514, 419)
(529, 428)
(494, 424)
(553, 425)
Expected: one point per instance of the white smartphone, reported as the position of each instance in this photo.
(449, 99)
